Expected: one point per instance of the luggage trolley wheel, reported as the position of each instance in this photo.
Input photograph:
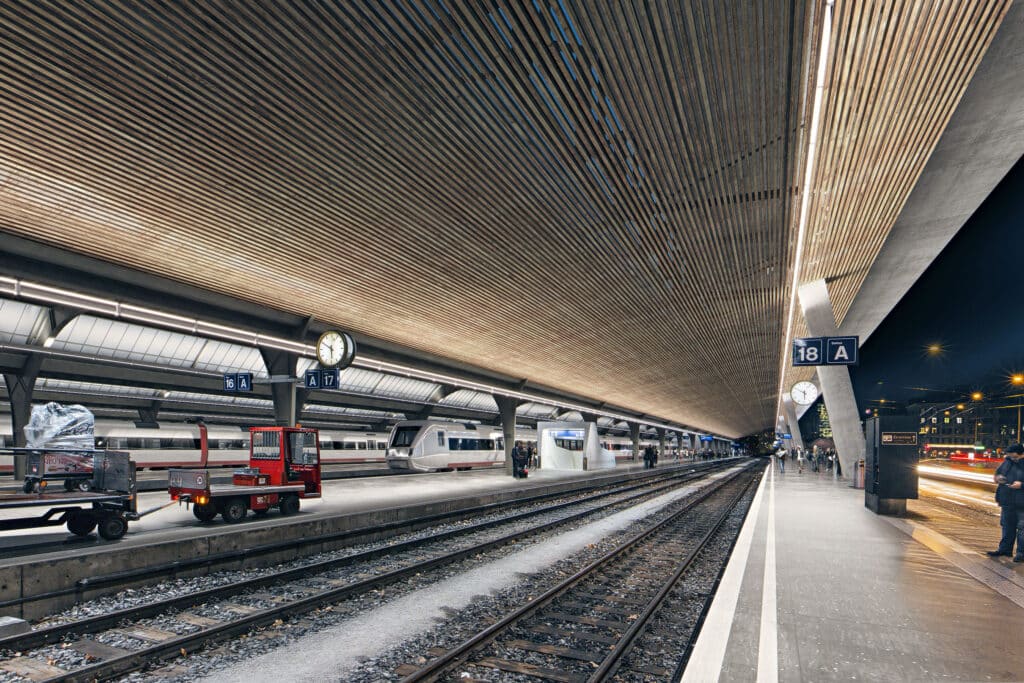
(234, 510)
(83, 485)
(204, 513)
(82, 523)
(289, 504)
(29, 486)
(113, 527)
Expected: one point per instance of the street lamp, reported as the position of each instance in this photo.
(976, 396)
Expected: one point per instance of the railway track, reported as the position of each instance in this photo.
(615, 619)
(112, 644)
(207, 563)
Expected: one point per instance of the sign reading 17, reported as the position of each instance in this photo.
(825, 351)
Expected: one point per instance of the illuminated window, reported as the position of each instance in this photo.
(935, 420)
(959, 420)
(946, 420)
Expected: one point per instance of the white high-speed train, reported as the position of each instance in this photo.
(178, 444)
(432, 445)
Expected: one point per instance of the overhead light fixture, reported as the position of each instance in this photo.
(49, 342)
(812, 154)
(20, 288)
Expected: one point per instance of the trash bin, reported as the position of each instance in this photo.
(858, 474)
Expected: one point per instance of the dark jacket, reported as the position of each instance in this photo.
(1013, 471)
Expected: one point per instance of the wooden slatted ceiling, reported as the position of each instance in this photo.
(598, 195)
(897, 70)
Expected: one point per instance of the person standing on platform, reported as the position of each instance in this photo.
(518, 460)
(781, 456)
(799, 460)
(1010, 495)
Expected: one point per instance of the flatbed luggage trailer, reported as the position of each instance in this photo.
(107, 507)
(284, 467)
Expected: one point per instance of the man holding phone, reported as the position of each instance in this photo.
(1010, 495)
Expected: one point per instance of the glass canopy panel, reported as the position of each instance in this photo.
(20, 323)
(474, 400)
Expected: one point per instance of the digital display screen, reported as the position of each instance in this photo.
(568, 434)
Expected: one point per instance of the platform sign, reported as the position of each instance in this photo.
(787, 436)
(841, 350)
(808, 351)
(825, 351)
(329, 378)
(322, 378)
(899, 438)
(707, 439)
(238, 381)
(243, 381)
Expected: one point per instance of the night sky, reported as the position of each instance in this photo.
(968, 302)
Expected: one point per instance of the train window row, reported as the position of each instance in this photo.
(471, 444)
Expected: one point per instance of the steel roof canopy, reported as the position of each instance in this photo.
(595, 195)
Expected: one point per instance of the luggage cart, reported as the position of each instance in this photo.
(108, 505)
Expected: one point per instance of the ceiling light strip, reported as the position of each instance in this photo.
(812, 149)
(20, 288)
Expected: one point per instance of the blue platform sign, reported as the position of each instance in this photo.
(243, 381)
(322, 379)
(238, 381)
(841, 350)
(809, 351)
(825, 351)
(329, 378)
(787, 436)
(707, 438)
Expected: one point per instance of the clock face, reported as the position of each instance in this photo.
(331, 348)
(804, 393)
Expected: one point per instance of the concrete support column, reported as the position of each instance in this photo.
(281, 368)
(661, 442)
(507, 411)
(19, 389)
(148, 415)
(834, 379)
(793, 424)
(634, 434)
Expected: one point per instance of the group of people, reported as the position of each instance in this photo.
(524, 458)
(819, 460)
(1009, 478)
(650, 457)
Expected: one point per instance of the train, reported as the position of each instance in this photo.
(422, 446)
(180, 444)
(440, 445)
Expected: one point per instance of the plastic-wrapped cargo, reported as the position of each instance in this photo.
(58, 426)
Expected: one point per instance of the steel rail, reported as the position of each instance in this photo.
(617, 653)
(209, 561)
(439, 666)
(198, 640)
(101, 622)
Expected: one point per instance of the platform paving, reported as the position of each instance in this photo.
(821, 589)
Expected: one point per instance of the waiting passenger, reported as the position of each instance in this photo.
(1010, 478)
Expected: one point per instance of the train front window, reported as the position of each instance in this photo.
(404, 436)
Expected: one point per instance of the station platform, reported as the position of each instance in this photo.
(819, 588)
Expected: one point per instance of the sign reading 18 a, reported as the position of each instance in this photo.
(825, 351)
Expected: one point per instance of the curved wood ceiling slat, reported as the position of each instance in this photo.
(599, 196)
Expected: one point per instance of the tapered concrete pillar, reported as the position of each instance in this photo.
(507, 410)
(281, 367)
(19, 391)
(792, 423)
(834, 380)
(634, 434)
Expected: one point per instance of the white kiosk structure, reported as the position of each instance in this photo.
(571, 446)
